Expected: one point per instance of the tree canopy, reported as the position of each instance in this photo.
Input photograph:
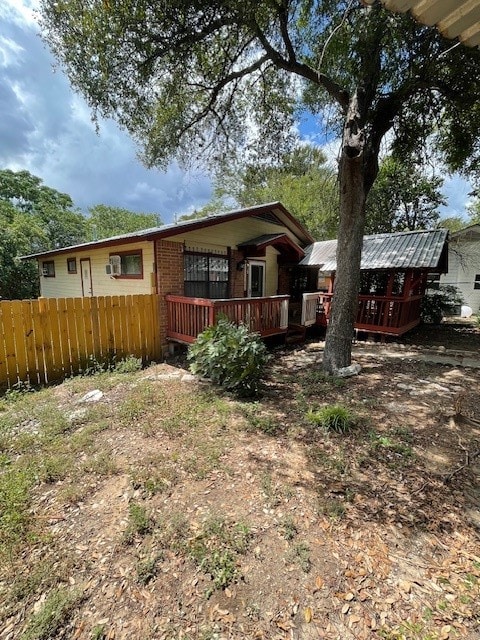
(474, 211)
(403, 198)
(33, 217)
(225, 78)
(105, 221)
(300, 179)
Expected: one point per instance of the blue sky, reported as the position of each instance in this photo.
(46, 129)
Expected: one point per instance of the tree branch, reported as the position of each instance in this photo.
(303, 70)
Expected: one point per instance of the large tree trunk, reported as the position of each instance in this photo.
(338, 344)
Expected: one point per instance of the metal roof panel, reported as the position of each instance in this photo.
(402, 250)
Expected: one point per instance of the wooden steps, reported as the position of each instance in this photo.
(295, 333)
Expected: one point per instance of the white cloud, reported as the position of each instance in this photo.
(47, 129)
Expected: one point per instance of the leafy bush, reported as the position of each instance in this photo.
(439, 302)
(333, 418)
(130, 364)
(230, 356)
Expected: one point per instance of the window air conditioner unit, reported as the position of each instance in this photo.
(113, 268)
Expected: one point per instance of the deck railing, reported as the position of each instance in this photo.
(385, 314)
(187, 317)
(313, 304)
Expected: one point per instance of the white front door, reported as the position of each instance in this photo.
(86, 274)
(256, 279)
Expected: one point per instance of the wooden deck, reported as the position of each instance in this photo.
(187, 317)
(388, 315)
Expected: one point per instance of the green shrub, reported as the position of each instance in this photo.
(230, 356)
(130, 364)
(437, 303)
(333, 418)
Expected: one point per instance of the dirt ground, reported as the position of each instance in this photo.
(262, 525)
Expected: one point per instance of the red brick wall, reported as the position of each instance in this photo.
(237, 281)
(169, 276)
(283, 280)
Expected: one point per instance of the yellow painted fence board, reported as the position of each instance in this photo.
(51, 338)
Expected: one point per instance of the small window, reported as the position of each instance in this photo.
(131, 263)
(476, 284)
(433, 281)
(48, 269)
(72, 265)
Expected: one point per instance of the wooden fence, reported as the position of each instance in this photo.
(51, 338)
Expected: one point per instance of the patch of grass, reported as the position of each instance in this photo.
(54, 614)
(140, 523)
(205, 454)
(334, 418)
(53, 468)
(258, 420)
(98, 632)
(130, 364)
(215, 549)
(335, 462)
(333, 508)
(17, 392)
(15, 495)
(39, 578)
(156, 474)
(300, 554)
(407, 631)
(313, 378)
(73, 493)
(174, 531)
(288, 528)
(101, 464)
(147, 568)
(137, 403)
(389, 444)
(271, 490)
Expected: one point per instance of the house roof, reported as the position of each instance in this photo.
(472, 232)
(453, 18)
(403, 250)
(280, 241)
(274, 212)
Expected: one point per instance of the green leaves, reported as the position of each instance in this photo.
(230, 356)
(403, 198)
(106, 221)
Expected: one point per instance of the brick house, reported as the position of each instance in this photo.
(197, 267)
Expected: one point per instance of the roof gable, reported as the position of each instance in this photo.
(270, 212)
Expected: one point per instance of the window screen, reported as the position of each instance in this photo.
(205, 276)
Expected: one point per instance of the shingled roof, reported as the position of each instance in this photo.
(403, 250)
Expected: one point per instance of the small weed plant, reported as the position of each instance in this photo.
(215, 550)
(130, 364)
(56, 611)
(230, 356)
(334, 418)
(140, 523)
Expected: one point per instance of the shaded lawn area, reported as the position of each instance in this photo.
(169, 509)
